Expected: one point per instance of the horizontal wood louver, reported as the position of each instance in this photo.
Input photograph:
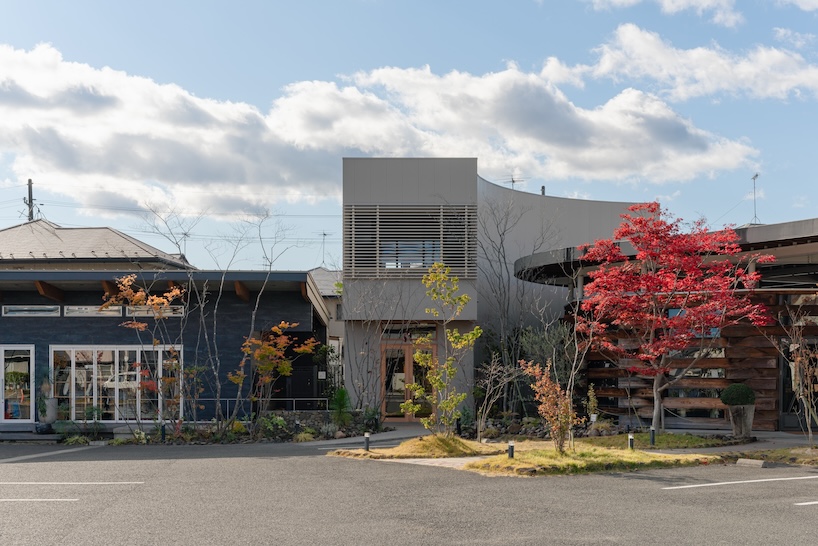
(402, 241)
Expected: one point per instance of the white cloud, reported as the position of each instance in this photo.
(806, 5)
(763, 72)
(668, 197)
(797, 40)
(801, 202)
(576, 194)
(723, 12)
(104, 135)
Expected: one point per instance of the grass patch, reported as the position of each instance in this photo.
(434, 446)
(666, 440)
(585, 459)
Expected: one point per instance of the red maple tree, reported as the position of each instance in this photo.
(673, 294)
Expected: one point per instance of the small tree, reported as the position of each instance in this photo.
(801, 353)
(271, 358)
(676, 293)
(493, 378)
(442, 288)
(168, 385)
(555, 404)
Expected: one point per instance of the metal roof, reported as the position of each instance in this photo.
(793, 244)
(42, 242)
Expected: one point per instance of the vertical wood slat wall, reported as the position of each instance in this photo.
(748, 357)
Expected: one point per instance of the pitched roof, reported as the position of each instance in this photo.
(42, 241)
(326, 280)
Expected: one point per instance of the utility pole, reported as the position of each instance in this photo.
(30, 201)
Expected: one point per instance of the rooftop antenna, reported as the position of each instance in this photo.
(323, 246)
(755, 219)
(513, 181)
(185, 236)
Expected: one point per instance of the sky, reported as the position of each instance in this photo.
(218, 128)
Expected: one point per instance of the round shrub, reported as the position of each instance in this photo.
(738, 394)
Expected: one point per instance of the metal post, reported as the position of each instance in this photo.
(366, 441)
(652, 436)
(630, 441)
(163, 432)
(511, 449)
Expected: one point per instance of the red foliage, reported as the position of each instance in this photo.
(678, 290)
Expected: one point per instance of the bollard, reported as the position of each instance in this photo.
(366, 441)
(163, 432)
(630, 441)
(652, 436)
(511, 449)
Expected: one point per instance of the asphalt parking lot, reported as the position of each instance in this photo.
(293, 494)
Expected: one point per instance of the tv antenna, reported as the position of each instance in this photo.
(513, 180)
(755, 219)
(323, 235)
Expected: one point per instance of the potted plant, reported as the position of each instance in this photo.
(740, 401)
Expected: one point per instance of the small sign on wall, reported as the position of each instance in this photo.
(322, 375)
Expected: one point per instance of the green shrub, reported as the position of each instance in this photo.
(303, 437)
(372, 419)
(272, 425)
(340, 407)
(76, 441)
(738, 394)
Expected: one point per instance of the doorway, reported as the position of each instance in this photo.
(399, 369)
(17, 376)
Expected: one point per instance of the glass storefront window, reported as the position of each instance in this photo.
(117, 383)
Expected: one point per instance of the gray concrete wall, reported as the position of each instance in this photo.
(419, 181)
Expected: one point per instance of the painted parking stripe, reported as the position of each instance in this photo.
(38, 500)
(49, 454)
(72, 483)
(740, 482)
(805, 503)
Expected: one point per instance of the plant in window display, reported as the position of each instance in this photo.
(17, 381)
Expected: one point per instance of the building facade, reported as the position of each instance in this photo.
(401, 215)
(755, 356)
(57, 342)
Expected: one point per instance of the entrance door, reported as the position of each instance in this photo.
(793, 416)
(18, 383)
(398, 369)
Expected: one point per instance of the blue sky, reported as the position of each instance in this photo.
(212, 112)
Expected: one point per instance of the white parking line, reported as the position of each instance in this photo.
(743, 481)
(72, 483)
(49, 454)
(805, 503)
(38, 500)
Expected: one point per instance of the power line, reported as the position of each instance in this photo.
(64, 204)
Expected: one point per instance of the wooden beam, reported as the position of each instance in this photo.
(110, 288)
(49, 291)
(241, 291)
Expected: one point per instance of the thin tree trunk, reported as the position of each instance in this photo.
(657, 402)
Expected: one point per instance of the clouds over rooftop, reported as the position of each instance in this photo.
(90, 132)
